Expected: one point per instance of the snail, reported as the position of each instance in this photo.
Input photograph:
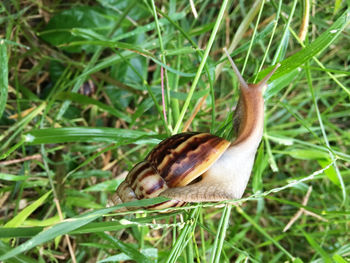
(201, 167)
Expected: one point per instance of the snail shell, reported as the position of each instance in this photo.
(176, 161)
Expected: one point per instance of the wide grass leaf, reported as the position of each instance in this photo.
(88, 134)
(82, 202)
(26, 212)
(339, 259)
(330, 172)
(11, 177)
(105, 186)
(149, 252)
(14, 232)
(307, 154)
(18, 259)
(72, 224)
(59, 29)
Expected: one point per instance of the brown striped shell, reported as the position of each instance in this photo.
(176, 161)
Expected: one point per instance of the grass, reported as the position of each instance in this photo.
(81, 102)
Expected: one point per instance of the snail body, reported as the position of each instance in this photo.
(201, 167)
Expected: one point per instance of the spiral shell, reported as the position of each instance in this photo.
(176, 161)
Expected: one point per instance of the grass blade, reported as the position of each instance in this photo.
(201, 66)
(71, 224)
(325, 256)
(85, 100)
(262, 231)
(26, 212)
(312, 50)
(221, 233)
(88, 134)
(3, 76)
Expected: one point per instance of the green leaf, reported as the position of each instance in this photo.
(133, 253)
(26, 212)
(321, 157)
(99, 227)
(88, 134)
(274, 87)
(60, 28)
(106, 186)
(85, 100)
(264, 232)
(11, 177)
(14, 232)
(282, 49)
(131, 47)
(3, 76)
(91, 173)
(330, 172)
(307, 154)
(339, 259)
(149, 27)
(321, 43)
(337, 6)
(71, 224)
(315, 245)
(297, 260)
(47, 235)
(149, 252)
(260, 165)
(18, 127)
(18, 259)
(82, 202)
(43, 222)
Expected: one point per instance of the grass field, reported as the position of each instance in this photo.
(88, 88)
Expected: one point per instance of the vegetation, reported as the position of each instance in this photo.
(81, 102)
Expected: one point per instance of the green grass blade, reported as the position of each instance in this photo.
(201, 66)
(88, 134)
(149, 253)
(281, 49)
(19, 126)
(133, 253)
(26, 212)
(183, 238)
(85, 100)
(150, 26)
(339, 259)
(15, 232)
(71, 224)
(18, 259)
(325, 256)
(262, 231)
(324, 134)
(13, 178)
(46, 235)
(3, 76)
(132, 48)
(311, 50)
(221, 234)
